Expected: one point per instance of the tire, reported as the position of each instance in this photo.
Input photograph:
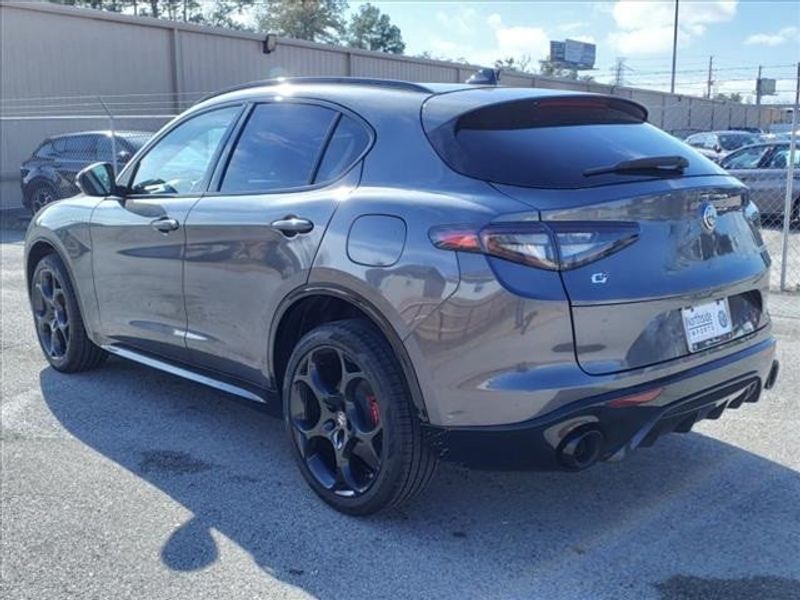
(57, 317)
(41, 194)
(350, 420)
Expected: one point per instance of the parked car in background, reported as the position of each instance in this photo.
(716, 145)
(762, 167)
(755, 130)
(505, 277)
(49, 174)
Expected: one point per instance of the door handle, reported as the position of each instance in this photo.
(291, 226)
(165, 224)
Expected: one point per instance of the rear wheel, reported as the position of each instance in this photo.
(350, 420)
(59, 324)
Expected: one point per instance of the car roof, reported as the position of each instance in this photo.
(382, 98)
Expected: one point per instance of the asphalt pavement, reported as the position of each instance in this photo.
(129, 483)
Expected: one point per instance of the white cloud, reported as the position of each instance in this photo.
(647, 27)
(462, 22)
(574, 26)
(787, 34)
(519, 40)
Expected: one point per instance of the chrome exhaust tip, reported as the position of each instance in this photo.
(581, 449)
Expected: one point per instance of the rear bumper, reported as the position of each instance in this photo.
(608, 426)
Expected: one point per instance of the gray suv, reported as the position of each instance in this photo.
(505, 277)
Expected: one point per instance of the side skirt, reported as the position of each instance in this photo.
(260, 396)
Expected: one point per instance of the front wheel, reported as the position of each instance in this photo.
(350, 419)
(58, 320)
(41, 195)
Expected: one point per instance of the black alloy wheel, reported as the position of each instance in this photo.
(42, 195)
(58, 319)
(353, 427)
(50, 313)
(335, 415)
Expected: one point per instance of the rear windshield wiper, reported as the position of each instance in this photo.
(666, 165)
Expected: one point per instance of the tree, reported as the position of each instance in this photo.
(224, 13)
(511, 63)
(370, 29)
(734, 97)
(312, 20)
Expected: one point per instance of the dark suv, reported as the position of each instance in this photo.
(506, 277)
(49, 174)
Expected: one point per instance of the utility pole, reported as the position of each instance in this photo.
(758, 87)
(619, 72)
(710, 76)
(787, 206)
(674, 49)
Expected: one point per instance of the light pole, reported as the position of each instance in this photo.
(674, 49)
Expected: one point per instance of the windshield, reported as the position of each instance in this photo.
(137, 140)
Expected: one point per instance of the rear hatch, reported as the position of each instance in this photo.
(658, 249)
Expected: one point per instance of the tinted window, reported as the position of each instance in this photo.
(780, 159)
(279, 148)
(347, 143)
(103, 151)
(59, 144)
(553, 148)
(45, 151)
(178, 162)
(733, 141)
(747, 158)
(80, 147)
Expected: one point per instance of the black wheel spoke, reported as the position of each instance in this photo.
(335, 420)
(365, 451)
(51, 314)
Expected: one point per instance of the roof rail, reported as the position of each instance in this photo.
(387, 83)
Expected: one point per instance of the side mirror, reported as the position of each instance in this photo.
(97, 180)
(717, 148)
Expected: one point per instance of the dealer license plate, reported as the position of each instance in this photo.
(707, 324)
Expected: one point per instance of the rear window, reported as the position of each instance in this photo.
(550, 142)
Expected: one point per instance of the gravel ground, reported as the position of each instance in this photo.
(129, 483)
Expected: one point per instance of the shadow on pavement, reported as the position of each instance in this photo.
(690, 503)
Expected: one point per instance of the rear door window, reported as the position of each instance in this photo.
(553, 142)
(279, 148)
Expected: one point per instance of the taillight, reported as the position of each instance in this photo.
(557, 245)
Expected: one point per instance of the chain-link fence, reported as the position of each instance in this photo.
(760, 154)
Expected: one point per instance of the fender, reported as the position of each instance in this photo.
(377, 318)
(65, 227)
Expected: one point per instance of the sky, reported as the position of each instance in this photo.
(740, 35)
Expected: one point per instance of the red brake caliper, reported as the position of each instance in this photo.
(374, 414)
